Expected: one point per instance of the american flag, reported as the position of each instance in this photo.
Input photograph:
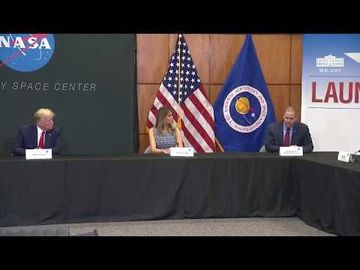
(182, 91)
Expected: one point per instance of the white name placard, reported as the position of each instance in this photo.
(344, 156)
(291, 151)
(181, 151)
(38, 153)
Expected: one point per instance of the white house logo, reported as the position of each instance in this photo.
(329, 61)
(245, 109)
(26, 52)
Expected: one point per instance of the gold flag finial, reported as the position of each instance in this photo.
(179, 122)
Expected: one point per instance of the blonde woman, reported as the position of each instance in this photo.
(165, 133)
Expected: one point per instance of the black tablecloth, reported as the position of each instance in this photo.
(319, 189)
(328, 193)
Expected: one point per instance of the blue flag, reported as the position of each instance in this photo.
(243, 108)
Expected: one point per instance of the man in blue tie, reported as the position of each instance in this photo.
(288, 132)
(40, 134)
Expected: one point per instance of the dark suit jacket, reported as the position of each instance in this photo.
(27, 139)
(300, 137)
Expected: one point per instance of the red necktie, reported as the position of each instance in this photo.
(41, 141)
(287, 137)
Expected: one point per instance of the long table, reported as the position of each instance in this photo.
(319, 189)
(328, 193)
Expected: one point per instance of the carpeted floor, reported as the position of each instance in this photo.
(186, 227)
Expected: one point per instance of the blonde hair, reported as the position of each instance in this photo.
(43, 112)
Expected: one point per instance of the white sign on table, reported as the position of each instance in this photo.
(181, 151)
(291, 151)
(344, 156)
(38, 153)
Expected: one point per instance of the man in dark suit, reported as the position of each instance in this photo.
(288, 132)
(41, 134)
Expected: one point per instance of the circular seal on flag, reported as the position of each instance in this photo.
(245, 109)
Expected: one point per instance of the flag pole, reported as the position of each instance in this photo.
(219, 145)
(179, 83)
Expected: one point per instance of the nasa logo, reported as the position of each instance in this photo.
(26, 52)
(245, 109)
